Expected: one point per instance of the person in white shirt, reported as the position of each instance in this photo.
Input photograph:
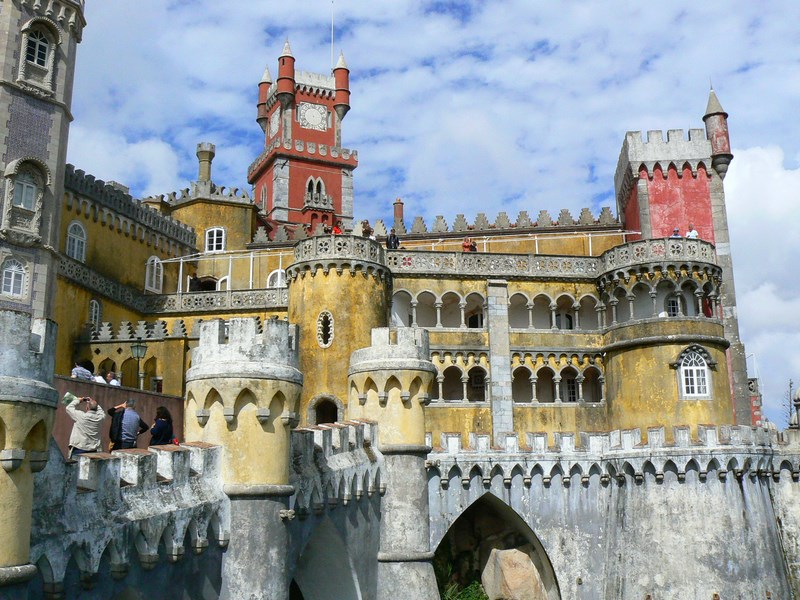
(692, 233)
(88, 417)
(111, 378)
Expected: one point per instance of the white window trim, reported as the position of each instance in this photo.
(95, 314)
(154, 275)
(13, 275)
(213, 231)
(695, 381)
(280, 275)
(75, 246)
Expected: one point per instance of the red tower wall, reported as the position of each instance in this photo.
(678, 201)
(632, 221)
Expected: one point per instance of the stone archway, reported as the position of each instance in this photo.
(488, 524)
(324, 569)
(323, 409)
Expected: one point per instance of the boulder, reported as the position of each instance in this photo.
(511, 575)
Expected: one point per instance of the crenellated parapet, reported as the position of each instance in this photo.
(202, 190)
(298, 148)
(125, 505)
(618, 457)
(334, 465)
(67, 13)
(657, 154)
(502, 223)
(117, 209)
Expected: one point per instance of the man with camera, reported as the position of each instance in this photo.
(88, 417)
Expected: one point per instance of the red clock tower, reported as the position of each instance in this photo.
(303, 178)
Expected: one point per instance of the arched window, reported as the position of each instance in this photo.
(25, 191)
(277, 279)
(95, 314)
(154, 275)
(694, 375)
(215, 239)
(13, 277)
(76, 241)
(37, 49)
(476, 385)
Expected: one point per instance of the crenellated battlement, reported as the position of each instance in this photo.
(335, 464)
(122, 203)
(245, 345)
(617, 455)
(129, 501)
(67, 13)
(202, 190)
(502, 223)
(27, 357)
(654, 152)
(303, 149)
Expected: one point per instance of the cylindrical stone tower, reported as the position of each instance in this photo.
(242, 393)
(389, 383)
(339, 290)
(27, 413)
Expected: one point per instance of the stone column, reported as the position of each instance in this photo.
(242, 394)
(27, 413)
(404, 558)
(500, 358)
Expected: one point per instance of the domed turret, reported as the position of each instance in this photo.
(286, 77)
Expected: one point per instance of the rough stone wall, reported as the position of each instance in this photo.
(104, 512)
(619, 519)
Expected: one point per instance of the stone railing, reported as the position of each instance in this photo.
(658, 251)
(198, 302)
(89, 278)
(488, 265)
(318, 201)
(339, 246)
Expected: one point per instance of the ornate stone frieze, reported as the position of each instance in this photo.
(491, 265)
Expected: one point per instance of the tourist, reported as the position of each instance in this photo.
(111, 378)
(392, 241)
(85, 436)
(676, 233)
(126, 425)
(81, 372)
(99, 377)
(337, 228)
(161, 431)
(691, 234)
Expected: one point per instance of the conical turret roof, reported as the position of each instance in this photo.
(340, 64)
(287, 50)
(714, 107)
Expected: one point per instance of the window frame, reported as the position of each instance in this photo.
(154, 275)
(13, 276)
(693, 368)
(95, 313)
(75, 247)
(26, 182)
(219, 239)
(280, 274)
(39, 46)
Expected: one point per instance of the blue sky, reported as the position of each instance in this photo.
(467, 107)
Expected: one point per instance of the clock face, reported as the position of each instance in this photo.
(312, 116)
(274, 122)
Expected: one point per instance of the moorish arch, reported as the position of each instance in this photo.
(325, 569)
(486, 524)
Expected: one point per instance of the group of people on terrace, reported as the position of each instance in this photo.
(126, 425)
(691, 233)
(80, 371)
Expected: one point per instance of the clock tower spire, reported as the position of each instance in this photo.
(303, 178)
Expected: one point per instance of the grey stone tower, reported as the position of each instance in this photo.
(38, 62)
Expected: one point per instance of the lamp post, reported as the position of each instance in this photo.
(138, 350)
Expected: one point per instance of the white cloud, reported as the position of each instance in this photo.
(762, 199)
(522, 106)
